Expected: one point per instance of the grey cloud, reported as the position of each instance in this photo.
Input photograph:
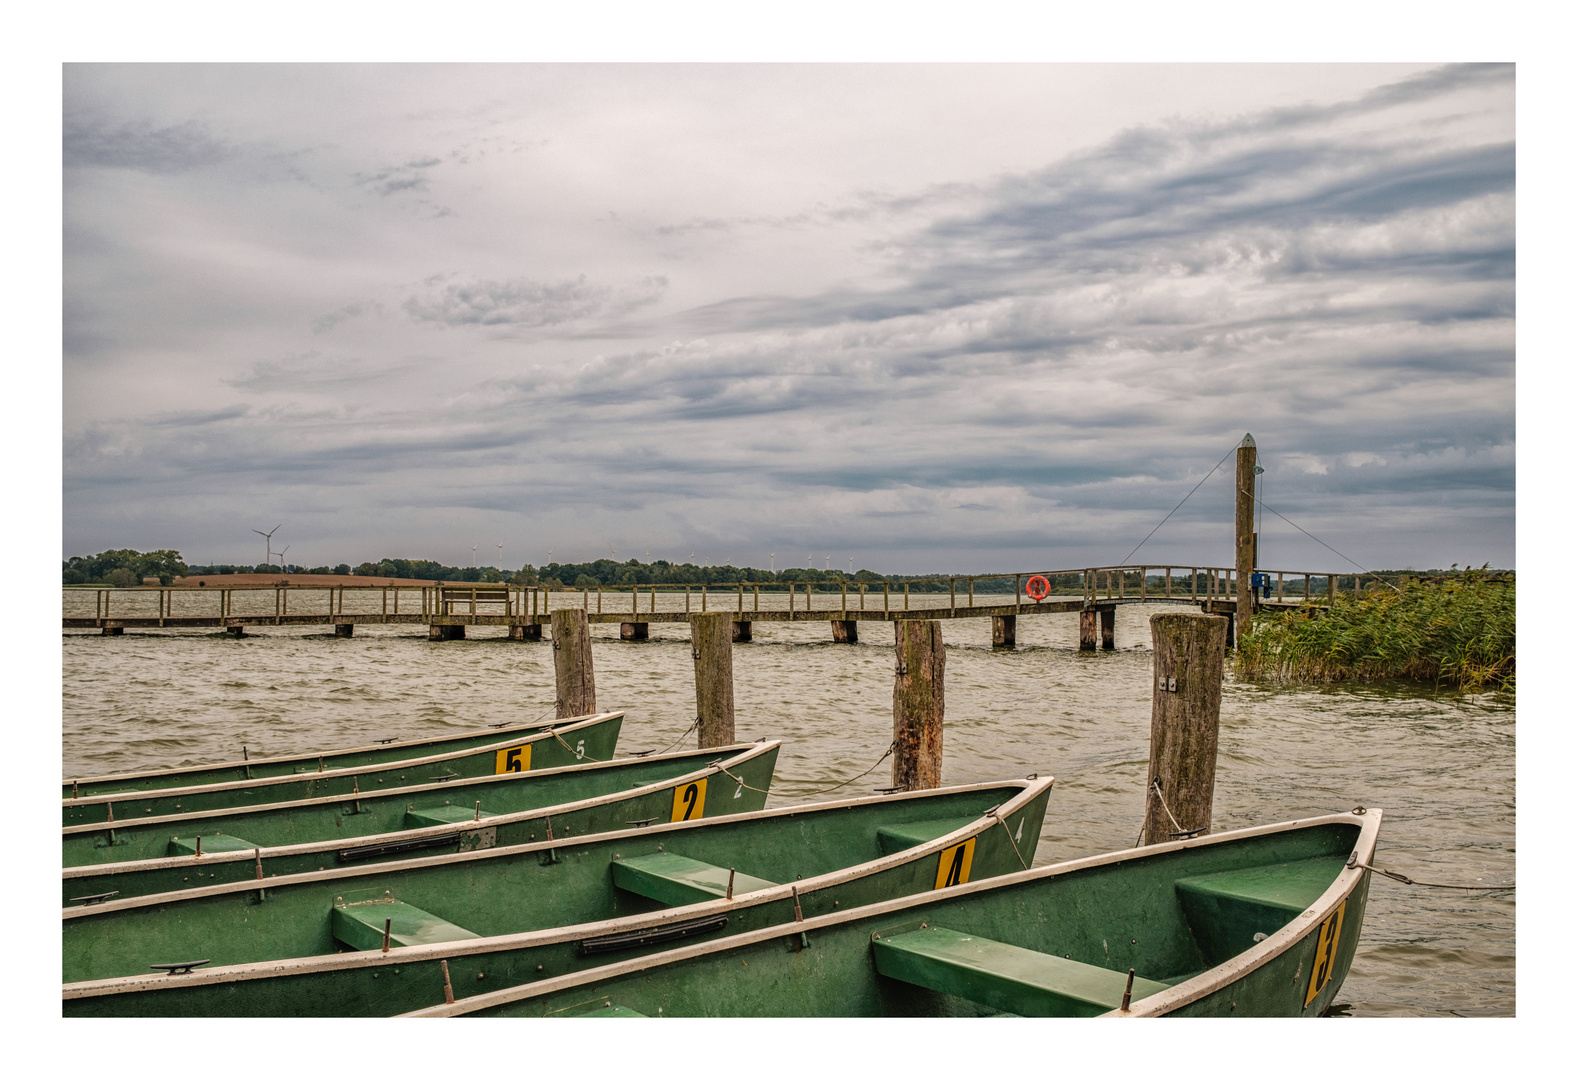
(91, 142)
(528, 304)
(410, 176)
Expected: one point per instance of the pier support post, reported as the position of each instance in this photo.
(1244, 537)
(633, 631)
(1109, 628)
(574, 684)
(113, 631)
(1005, 629)
(917, 704)
(1186, 704)
(712, 648)
(846, 631)
(526, 632)
(742, 630)
(236, 630)
(1089, 620)
(344, 629)
(441, 632)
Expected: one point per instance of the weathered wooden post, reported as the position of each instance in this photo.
(344, 629)
(1186, 704)
(572, 663)
(633, 631)
(712, 648)
(742, 630)
(1109, 628)
(1088, 622)
(917, 704)
(1244, 537)
(846, 631)
(1005, 631)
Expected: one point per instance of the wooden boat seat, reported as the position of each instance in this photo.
(1001, 976)
(674, 880)
(361, 925)
(442, 815)
(213, 843)
(895, 838)
(1227, 909)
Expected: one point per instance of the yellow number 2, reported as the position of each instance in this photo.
(689, 800)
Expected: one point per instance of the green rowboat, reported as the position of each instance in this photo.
(504, 916)
(379, 753)
(220, 845)
(570, 742)
(1254, 922)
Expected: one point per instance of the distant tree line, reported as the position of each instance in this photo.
(123, 567)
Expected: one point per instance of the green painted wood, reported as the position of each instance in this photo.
(1001, 976)
(367, 816)
(1227, 909)
(263, 767)
(571, 743)
(908, 834)
(360, 925)
(510, 891)
(1111, 914)
(674, 879)
(213, 844)
(444, 815)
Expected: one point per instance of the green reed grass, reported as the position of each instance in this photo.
(1459, 630)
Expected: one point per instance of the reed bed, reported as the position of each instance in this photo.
(1459, 631)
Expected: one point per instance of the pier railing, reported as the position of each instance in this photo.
(971, 595)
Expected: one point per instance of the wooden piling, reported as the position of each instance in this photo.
(1089, 623)
(742, 630)
(1186, 703)
(1244, 536)
(633, 631)
(711, 647)
(1109, 628)
(572, 663)
(846, 631)
(917, 704)
(1005, 629)
(344, 629)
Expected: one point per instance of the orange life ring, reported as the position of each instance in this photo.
(1039, 588)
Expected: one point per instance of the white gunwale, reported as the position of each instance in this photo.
(539, 734)
(536, 725)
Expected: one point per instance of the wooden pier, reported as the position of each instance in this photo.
(1094, 593)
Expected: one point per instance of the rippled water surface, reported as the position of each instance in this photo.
(1441, 764)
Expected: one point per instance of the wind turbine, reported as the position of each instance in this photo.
(268, 544)
(770, 569)
(852, 566)
(473, 556)
(501, 556)
(281, 555)
(827, 561)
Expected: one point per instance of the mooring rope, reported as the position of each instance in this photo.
(670, 746)
(1011, 843)
(742, 783)
(885, 755)
(1406, 880)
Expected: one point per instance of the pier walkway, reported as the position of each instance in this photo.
(448, 608)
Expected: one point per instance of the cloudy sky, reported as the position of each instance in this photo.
(931, 318)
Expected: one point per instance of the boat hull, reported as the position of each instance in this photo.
(812, 858)
(1154, 910)
(355, 757)
(573, 801)
(571, 743)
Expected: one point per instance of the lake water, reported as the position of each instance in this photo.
(1440, 763)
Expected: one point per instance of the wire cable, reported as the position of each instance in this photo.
(1174, 510)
